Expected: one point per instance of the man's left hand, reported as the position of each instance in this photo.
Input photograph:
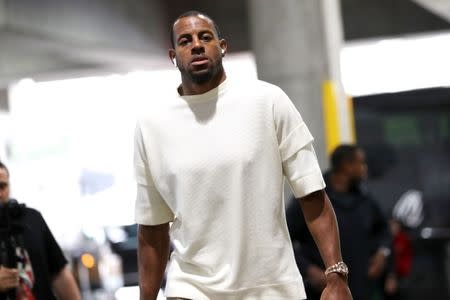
(337, 288)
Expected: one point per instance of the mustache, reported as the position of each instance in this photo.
(199, 57)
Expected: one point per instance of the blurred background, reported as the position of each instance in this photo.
(74, 75)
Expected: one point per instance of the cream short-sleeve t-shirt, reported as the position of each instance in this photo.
(214, 165)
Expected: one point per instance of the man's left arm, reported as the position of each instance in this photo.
(64, 285)
(302, 171)
(321, 220)
(303, 174)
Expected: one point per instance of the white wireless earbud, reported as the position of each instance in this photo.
(174, 60)
(223, 52)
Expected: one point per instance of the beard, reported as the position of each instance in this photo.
(201, 78)
(356, 184)
(204, 76)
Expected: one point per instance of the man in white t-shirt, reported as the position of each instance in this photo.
(211, 158)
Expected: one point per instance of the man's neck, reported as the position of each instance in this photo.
(188, 88)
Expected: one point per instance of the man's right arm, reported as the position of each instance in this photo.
(153, 253)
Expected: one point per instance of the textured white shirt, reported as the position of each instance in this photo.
(214, 165)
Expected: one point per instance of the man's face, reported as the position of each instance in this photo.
(4, 186)
(198, 50)
(357, 168)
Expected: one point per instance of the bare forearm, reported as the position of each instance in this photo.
(65, 287)
(321, 221)
(153, 253)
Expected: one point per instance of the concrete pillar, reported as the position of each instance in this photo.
(5, 131)
(4, 100)
(2, 12)
(297, 45)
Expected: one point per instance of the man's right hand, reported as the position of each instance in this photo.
(316, 276)
(9, 279)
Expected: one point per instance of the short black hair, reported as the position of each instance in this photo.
(192, 13)
(343, 154)
(3, 166)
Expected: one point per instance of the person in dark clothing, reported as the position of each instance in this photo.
(37, 268)
(364, 233)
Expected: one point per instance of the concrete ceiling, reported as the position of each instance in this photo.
(63, 38)
(438, 7)
(384, 18)
(49, 38)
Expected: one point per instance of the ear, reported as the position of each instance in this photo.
(172, 56)
(224, 46)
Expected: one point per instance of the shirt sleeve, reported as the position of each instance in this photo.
(300, 165)
(150, 207)
(55, 256)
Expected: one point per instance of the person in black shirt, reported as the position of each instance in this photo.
(41, 272)
(364, 232)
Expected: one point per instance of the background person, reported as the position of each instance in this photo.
(365, 237)
(43, 273)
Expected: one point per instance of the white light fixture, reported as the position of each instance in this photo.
(397, 64)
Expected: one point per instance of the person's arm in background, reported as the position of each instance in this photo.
(64, 285)
(153, 253)
(63, 281)
(301, 238)
(381, 261)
